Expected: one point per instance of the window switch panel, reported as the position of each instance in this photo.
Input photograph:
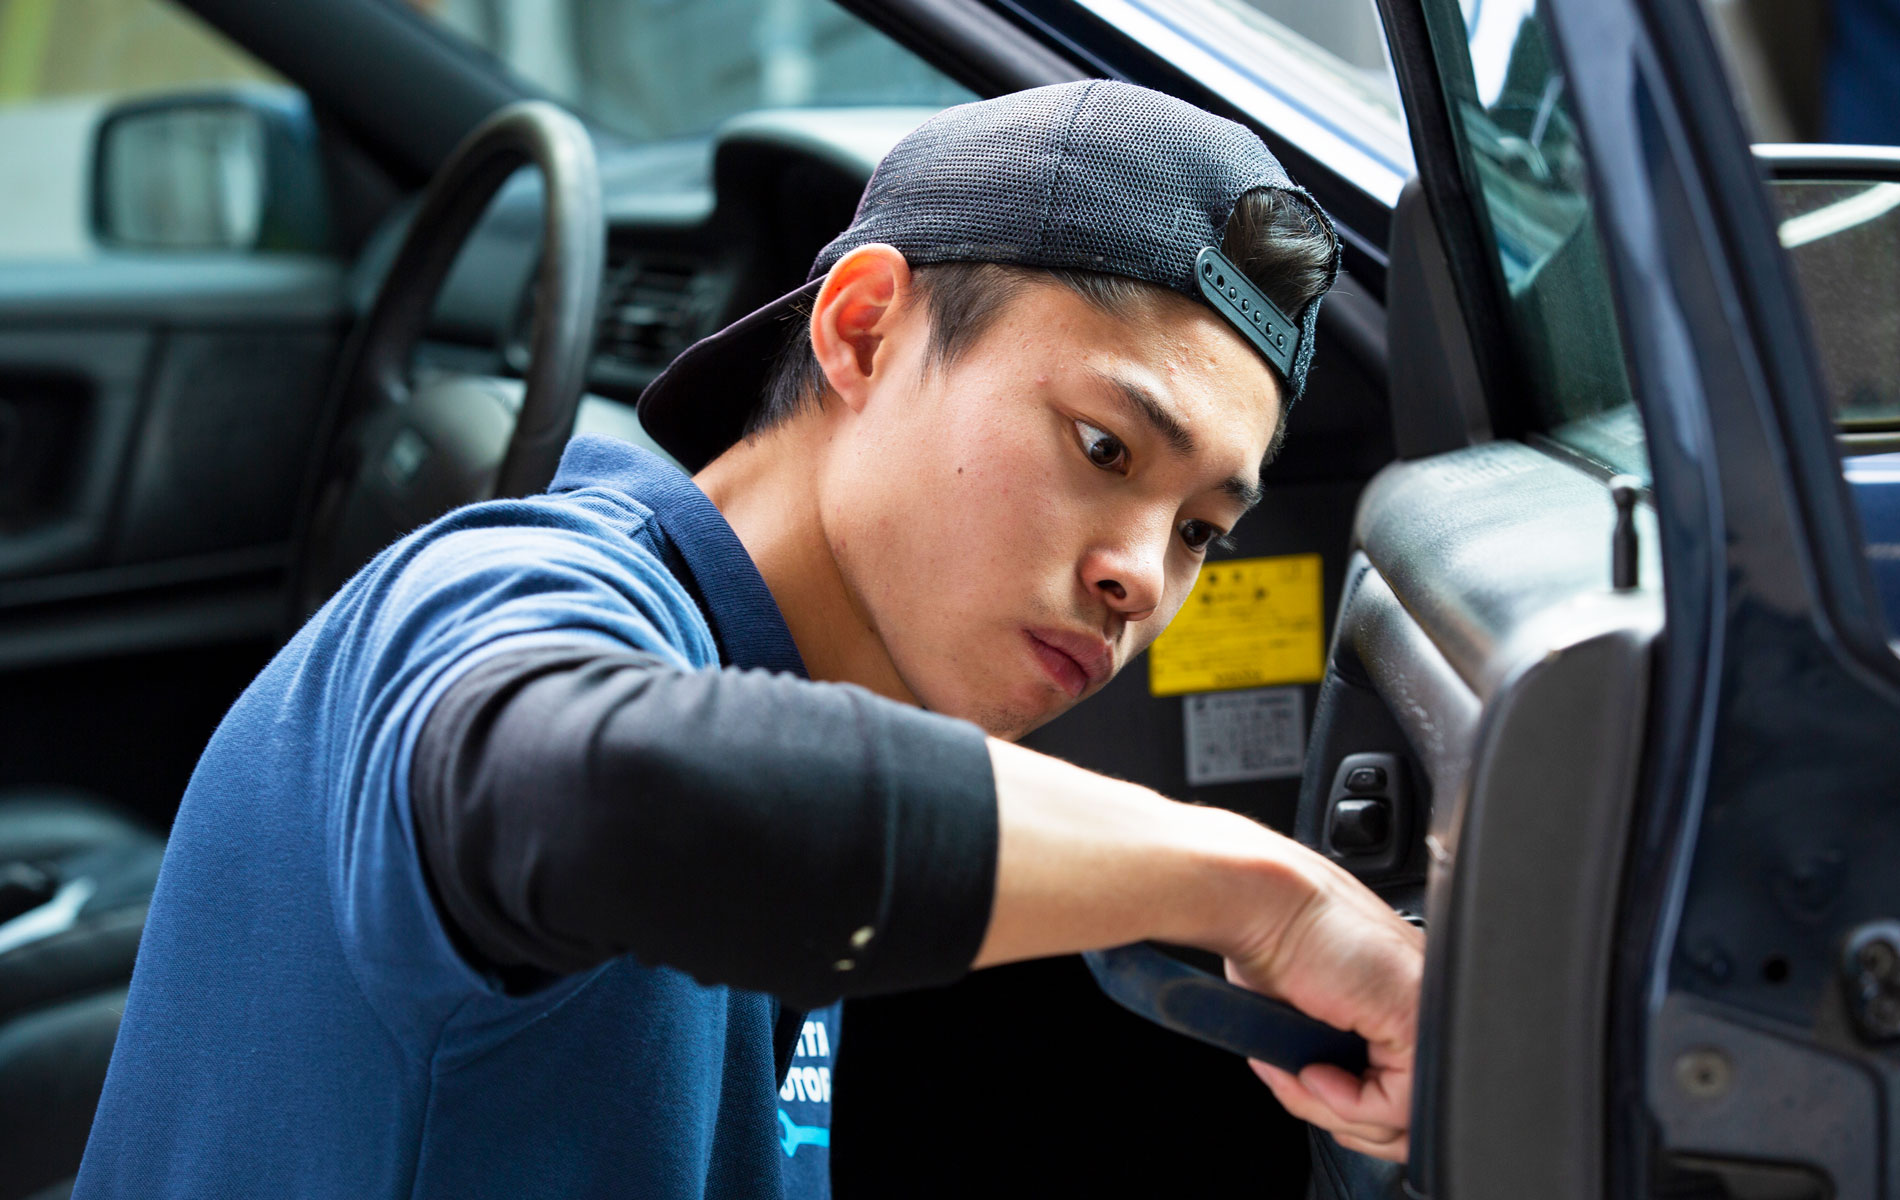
(1368, 823)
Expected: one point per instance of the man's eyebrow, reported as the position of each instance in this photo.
(1143, 402)
(1247, 493)
(1165, 423)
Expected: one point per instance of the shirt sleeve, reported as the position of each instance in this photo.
(576, 803)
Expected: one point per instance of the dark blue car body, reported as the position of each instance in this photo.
(1875, 479)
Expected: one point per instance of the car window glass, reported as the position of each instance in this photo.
(63, 65)
(1844, 238)
(1523, 164)
(1316, 74)
(657, 69)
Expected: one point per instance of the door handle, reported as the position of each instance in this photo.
(1209, 1009)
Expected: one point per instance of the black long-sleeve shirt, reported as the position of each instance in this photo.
(803, 839)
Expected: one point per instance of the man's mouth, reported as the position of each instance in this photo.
(1074, 661)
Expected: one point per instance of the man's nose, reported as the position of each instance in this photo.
(1130, 576)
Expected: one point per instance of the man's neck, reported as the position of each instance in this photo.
(767, 489)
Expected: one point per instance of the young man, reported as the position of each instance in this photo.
(513, 872)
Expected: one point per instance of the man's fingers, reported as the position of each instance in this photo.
(1294, 1096)
(1348, 1098)
(1383, 1098)
(1276, 1079)
(1393, 1151)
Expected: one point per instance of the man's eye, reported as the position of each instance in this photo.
(1105, 450)
(1199, 535)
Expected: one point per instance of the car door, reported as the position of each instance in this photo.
(1759, 884)
(1494, 647)
(1654, 860)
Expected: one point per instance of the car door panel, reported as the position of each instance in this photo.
(171, 406)
(223, 447)
(1481, 639)
(70, 399)
(185, 288)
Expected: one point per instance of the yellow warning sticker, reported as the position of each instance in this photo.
(1248, 622)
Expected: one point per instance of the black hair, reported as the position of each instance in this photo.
(1277, 238)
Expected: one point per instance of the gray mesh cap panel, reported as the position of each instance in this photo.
(969, 185)
(1096, 175)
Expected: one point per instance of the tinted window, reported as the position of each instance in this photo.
(1522, 161)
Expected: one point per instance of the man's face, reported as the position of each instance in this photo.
(1019, 524)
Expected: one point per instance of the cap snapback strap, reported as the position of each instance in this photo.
(1246, 307)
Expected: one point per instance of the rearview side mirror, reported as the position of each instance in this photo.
(236, 170)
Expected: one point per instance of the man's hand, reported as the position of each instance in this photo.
(1347, 959)
(1086, 862)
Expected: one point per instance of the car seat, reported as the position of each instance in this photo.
(76, 878)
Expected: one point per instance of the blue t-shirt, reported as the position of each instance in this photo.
(299, 1023)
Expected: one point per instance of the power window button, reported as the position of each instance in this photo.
(1365, 779)
(1360, 826)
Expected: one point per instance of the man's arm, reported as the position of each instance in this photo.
(573, 804)
(1086, 862)
(811, 840)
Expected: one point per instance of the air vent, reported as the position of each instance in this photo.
(649, 311)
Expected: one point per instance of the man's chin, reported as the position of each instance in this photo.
(1008, 713)
(1011, 721)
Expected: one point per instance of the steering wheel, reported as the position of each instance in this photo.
(401, 450)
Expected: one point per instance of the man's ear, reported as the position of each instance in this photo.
(853, 316)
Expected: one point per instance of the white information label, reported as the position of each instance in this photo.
(1235, 736)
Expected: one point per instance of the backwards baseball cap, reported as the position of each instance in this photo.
(1095, 175)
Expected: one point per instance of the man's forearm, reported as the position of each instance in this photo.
(572, 805)
(1085, 862)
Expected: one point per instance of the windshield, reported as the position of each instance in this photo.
(656, 69)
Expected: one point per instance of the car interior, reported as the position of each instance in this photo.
(201, 437)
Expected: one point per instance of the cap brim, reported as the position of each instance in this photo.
(699, 405)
